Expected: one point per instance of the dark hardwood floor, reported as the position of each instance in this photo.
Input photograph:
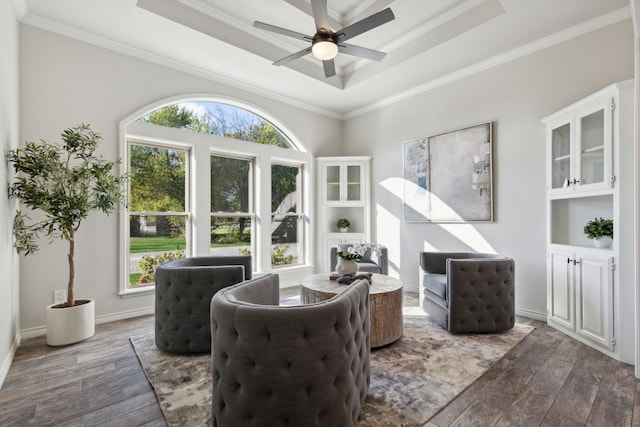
(549, 379)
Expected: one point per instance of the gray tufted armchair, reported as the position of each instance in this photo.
(372, 262)
(272, 365)
(184, 289)
(468, 291)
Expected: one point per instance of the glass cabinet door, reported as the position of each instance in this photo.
(561, 156)
(332, 183)
(353, 182)
(592, 148)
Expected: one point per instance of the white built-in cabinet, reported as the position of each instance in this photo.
(581, 293)
(343, 192)
(589, 295)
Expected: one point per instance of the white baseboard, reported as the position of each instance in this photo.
(410, 288)
(125, 315)
(39, 331)
(6, 363)
(530, 314)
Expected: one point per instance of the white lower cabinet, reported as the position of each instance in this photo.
(580, 294)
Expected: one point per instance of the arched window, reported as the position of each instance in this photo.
(252, 200)
(220, 119)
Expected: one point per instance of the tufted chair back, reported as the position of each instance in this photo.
(468, 291)
(305, 365)
(184, 289)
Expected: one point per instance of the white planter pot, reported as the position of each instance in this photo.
(604, 242)
(346, 266)
(344, 229)
(71, 324)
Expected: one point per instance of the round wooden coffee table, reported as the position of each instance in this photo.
(385, 303)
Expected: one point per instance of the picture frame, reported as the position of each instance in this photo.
(448, 177)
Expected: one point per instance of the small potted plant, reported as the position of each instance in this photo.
(600, 230)
(343, 225)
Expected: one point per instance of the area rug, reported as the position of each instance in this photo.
(411, 379)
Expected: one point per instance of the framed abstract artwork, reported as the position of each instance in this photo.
(448, 176)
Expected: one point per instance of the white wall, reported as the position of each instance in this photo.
(514, 96)
(9, 280)
(66, 82)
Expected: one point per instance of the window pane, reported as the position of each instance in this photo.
(157, 179)
(285, 246)
(284, 183)
(231, 235)
(285, 223)
(230, 184)
(154, 240)
(219, 119)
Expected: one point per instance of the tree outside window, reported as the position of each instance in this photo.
(158, 216)
(231, 205)
(159, 213)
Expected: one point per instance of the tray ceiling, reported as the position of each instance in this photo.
(428, 44)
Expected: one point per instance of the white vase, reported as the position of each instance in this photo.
(346, 266)
(70, 325)
(603, 242)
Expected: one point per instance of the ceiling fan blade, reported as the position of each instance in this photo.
(293, 56)
(329, 68)
(320, 14)
(365, 24)
(283, 31)
(361, 52)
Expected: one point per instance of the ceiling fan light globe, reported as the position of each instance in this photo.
(324, 49)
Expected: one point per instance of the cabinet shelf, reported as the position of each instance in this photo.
(557, 159)
(593, 149)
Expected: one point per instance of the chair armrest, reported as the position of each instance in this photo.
(333, 258)
(436, 262)
(383, 260)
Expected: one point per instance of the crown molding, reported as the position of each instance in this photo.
(165, 61)
(635, 15)
(546, 42)
(21, 8)
(538, 45)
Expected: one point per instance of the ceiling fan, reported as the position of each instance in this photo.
(325, 43)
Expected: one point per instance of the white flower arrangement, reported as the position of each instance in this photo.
(357, 251)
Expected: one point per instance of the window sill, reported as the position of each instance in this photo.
(138, 291)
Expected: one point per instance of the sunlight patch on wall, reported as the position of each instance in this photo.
(388, 232)
(470, 236)
(466, 233)
(428, 247)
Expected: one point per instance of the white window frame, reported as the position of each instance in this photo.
(203, 146)
(300, 214)
(125, 287)
(252, 187)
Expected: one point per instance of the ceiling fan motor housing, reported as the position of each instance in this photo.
(324, 45)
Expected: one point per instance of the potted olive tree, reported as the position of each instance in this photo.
(600, 230)
(65, 182)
